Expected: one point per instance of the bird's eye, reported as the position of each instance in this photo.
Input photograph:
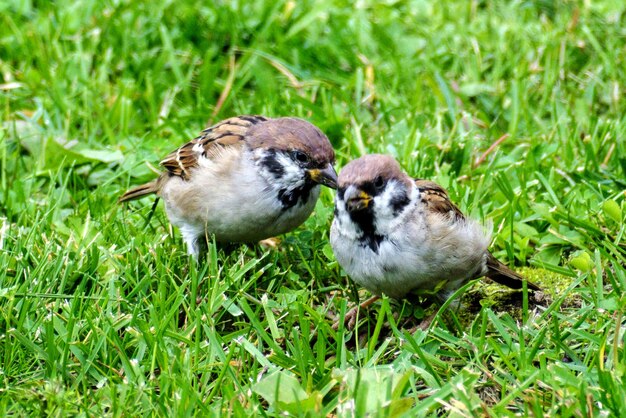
(300, 157)
(379, 182)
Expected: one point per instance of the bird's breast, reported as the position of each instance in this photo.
(398, 263)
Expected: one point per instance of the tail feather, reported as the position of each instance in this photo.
(500, 273)
(140, 191)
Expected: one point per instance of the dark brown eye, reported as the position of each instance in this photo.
(379, 182)
(300, 156)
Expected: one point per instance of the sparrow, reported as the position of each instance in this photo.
(403, 237)
(244, 179)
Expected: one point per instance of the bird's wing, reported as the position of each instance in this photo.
(437, 200)
(227, 133)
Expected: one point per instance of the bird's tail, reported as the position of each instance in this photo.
(140, 191)
(500, 273)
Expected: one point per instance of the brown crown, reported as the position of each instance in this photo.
(290, 134)
(369, 167)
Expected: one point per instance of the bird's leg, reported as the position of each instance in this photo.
(426, 322)
(350, 318)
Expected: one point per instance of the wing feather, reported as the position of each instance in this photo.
(227, 133)
(437, 200)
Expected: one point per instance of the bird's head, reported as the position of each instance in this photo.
(373, 191)
(293, 153)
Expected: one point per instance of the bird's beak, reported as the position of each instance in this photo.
(326, 176)
(356, 199)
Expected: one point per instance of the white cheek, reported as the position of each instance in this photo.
(382, 205)
(384, 215)
(294, 174)
(343, 222)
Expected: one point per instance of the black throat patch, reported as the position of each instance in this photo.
(365, 220)
(290, 198)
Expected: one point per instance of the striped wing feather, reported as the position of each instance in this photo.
(436, 199)
(230, 132)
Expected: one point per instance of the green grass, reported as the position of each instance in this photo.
(102, 312)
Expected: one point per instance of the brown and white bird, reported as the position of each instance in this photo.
(244, 179)
(399, 236)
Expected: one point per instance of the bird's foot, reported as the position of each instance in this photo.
(349, 319)
(424, 324)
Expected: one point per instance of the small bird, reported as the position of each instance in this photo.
(244, 179)
(403, 237)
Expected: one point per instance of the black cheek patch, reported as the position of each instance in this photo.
(399, 202)
(271, 164)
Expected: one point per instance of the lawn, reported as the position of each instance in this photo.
(516, 107)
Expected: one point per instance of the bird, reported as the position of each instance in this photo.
(403, 237)
(244, 179)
